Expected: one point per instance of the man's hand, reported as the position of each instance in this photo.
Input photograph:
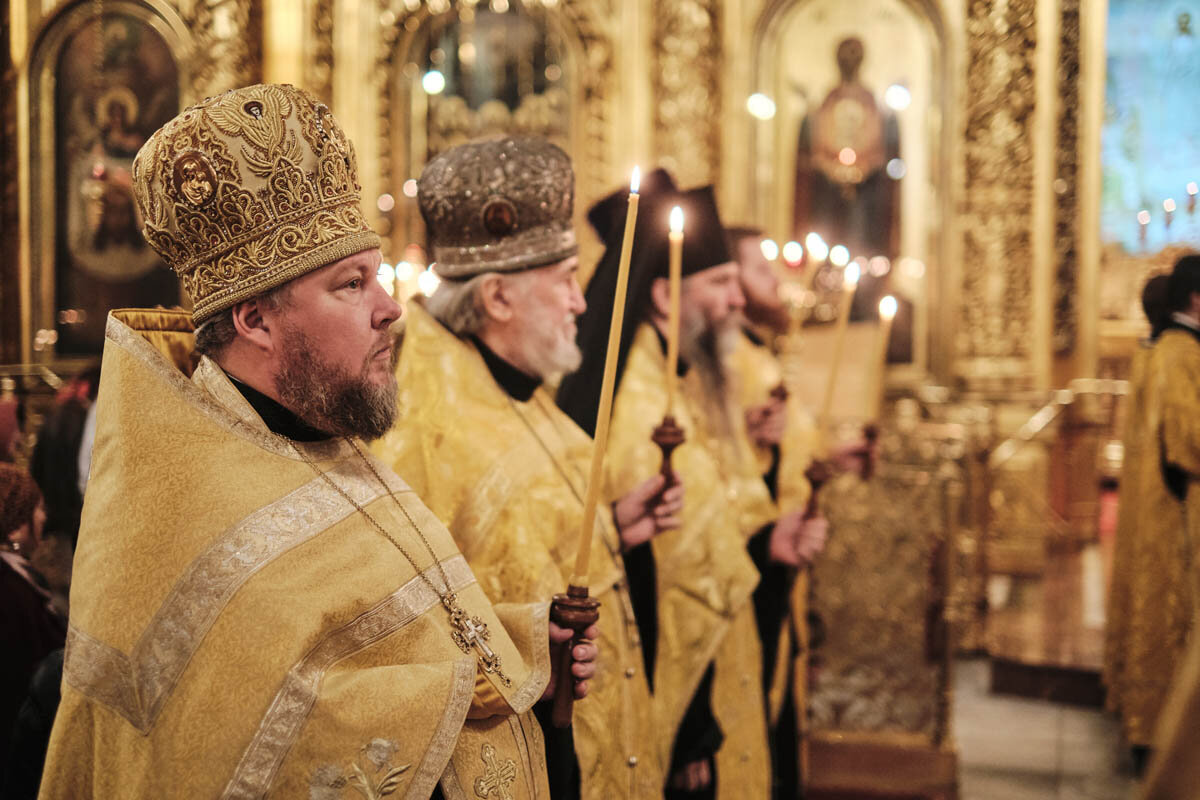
(796, 541)
(693, 777)
(583, 655)
(814, 533)
(766, 423)
(647, 511)
(856, 456)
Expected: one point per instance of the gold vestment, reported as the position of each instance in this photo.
(1179, 352)
(239, 629)
(705, 576)
(1160, 595)
(508, 477)
(1118, 619)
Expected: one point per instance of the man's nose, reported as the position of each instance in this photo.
(737, 300)
(387, 310)
(578, 303)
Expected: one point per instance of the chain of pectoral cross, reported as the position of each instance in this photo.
(469, 633)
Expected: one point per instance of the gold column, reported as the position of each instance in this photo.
(1045, 130)
(283, 41)
(1093, 22)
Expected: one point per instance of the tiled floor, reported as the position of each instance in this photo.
(1016, 749)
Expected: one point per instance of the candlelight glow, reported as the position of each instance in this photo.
(1143, 217)
(793, 252)
(404, 271)
(428, 282)
(816, 247)
(850, 277)
(1169, 205)
(635, 180)
(887, 307)
(1192, 189)
(676, 221)
(839, 255)
(386, 275)
(770, 250)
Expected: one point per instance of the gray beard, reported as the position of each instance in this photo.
(706, 349)
(331, 398)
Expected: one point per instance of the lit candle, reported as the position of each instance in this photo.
(887, 312)
(849, 284)
(604, 412)
(676, 279)
(1169, 211)
(1192, 189)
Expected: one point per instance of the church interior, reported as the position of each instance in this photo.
(962, 201)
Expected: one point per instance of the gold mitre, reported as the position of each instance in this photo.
(247, 190)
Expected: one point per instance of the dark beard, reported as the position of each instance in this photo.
(329, 397)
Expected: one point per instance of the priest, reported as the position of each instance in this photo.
(259, 607)
(482, 442)
(1160, 588)
(708, 668)
(1131, 624)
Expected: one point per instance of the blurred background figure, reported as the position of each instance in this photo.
(31, 626)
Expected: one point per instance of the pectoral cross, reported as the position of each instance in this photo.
(496, 778)
(472, 633)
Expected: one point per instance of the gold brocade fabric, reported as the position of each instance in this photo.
(1117, 617)
(1178, 355)
(508, 478)
(705, 576)
(238, 629)
(1159, 591)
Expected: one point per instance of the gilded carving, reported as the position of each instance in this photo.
(319, 52)
(1066, 181)
(588, 139)
(882, 588)
(997, 212)
(224, 51)
(687, 88)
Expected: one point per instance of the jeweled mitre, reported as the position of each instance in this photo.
(498, 205)
(247, 190)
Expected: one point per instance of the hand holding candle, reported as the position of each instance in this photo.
(575, 610)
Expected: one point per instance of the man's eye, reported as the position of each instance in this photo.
(354, 284)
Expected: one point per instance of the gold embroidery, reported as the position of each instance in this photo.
(497, 776)
(371, 774)
(137, 686)
(294, 700)
(247, 190)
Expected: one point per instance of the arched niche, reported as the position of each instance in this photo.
(102, 79)
(506, 66)
(904, 45)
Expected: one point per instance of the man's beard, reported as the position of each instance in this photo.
(548, 351)
(329, 397)
(706, 348)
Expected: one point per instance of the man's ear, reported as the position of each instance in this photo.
(660, 296)
(251, 325)
(496, 299)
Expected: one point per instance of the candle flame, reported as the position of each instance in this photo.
(676, 220)
(635, 181)
(887, 307)
(851, 276)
